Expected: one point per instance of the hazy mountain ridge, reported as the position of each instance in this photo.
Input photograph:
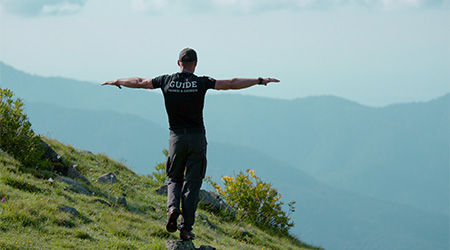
(125, 137)
(83, 95)
(318, 135)
(348, 145)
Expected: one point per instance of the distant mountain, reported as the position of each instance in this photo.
(397, 154)
(83, 95)
(128, 138)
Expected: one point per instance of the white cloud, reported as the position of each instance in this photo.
(401, 4)
(269, 5)
(60, 8)
(146, 5)
(32, 8)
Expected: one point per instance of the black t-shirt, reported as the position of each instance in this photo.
(184, 97)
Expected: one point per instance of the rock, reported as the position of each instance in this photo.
(245, 233)
(122, 201)
(50, 154)
(185, 245)
(107, 178)
(74, 186)
(162, 190)
(209, 201)
(180, 245)
(74, 174)
(102, 202)
(206, 248)
(85, 151)
(60, 165)
(69, 210)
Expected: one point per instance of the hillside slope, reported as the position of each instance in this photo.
(32, 215)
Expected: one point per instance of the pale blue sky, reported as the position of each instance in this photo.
(374, 52)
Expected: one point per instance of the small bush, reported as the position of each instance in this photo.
(17, 137)
(256, 201)
(160, 174)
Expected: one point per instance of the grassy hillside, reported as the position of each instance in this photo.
(30, 217)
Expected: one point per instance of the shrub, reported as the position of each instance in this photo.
(256, 201)
(160, 174)
(17, 137)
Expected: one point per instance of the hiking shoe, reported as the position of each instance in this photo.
(171, 225)
(186, 235)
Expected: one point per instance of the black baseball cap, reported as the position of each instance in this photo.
(188, 55)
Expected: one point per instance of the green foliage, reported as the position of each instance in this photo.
(20, 183)
(17, 137)
(256, 201)
(82, 235)
(160, 174)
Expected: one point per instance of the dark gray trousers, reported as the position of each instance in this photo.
(185, 169)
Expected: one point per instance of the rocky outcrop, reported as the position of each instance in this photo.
(60, 165)
(161, 190)
(212, 202)
(102, 202)
(74, 186)
(69, 210)
(180, 245)
(107, 178)
(185, 245)
(206, 248)
(121, 201)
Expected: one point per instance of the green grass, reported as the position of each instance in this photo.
(30, 218)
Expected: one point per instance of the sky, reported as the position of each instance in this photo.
(374, 52)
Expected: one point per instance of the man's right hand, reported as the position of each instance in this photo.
(114, 82)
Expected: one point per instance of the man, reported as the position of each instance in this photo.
(184, 95)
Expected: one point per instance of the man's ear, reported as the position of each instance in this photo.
(178, 62)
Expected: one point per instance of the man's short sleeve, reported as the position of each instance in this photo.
(210, 82)
(158, 81)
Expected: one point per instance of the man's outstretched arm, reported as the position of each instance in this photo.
(242, 83)
(133, 82)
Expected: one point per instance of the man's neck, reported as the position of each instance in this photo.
(187, 70)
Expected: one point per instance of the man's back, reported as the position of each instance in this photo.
(184, 95)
